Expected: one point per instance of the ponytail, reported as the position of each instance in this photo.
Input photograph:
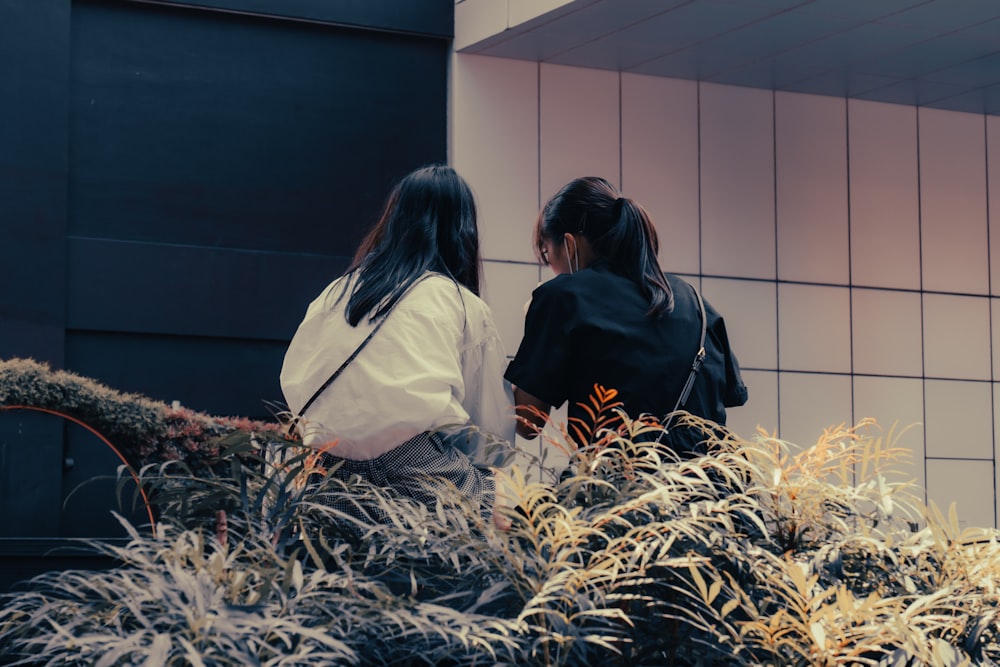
(631, 245)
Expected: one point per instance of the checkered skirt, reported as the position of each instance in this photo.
(412, 468)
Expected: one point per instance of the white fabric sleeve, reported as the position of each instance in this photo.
(489, 398)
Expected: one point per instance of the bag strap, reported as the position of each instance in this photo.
(699, 357)
(333, 376)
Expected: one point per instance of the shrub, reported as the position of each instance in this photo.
(753, 553)
(144, 430)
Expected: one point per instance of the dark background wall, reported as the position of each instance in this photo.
(176, 183)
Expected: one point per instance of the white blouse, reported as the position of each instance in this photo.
(437, 363)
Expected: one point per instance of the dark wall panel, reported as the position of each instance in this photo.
(90, 490)
(177, 181)
(34, 103)
(224, 377)
(30, 471)
(34, 107)
(213, 129)
(126, 286)
(76, 495)
(32, 293)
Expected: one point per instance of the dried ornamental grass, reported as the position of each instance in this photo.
(753, 552)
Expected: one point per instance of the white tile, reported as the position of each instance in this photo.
(996, 451)
(968, 484)
(811, 181)
(995, 320)
(957, 337)
(580, 126)
(887, 334)
(494, 145)
(959, 419)
(737, 181)
(660, 162)
(993, 195)
(507, 290)
(749, 308)
(814, 330)
(810, 403)
(885, 213)
(475, 20)
(953, 201)
(761, 409)
(897, 404)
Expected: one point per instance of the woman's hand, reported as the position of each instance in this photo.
(500, 522)
(532, 413)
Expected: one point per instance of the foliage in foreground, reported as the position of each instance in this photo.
(756, 553)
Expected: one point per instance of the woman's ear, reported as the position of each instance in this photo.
(570, 250)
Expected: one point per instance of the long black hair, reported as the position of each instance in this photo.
(618, 229)
(428, 224)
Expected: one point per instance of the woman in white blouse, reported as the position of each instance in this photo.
(396, 371)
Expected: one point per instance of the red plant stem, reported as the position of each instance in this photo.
(135, 477)
(221, 527)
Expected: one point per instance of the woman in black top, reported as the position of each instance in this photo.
(612, 317)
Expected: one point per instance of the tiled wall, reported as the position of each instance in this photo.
(847, 243)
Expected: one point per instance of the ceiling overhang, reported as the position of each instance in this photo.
(936, 53)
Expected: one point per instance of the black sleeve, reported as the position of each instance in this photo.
(736, 393)
(541, 365)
